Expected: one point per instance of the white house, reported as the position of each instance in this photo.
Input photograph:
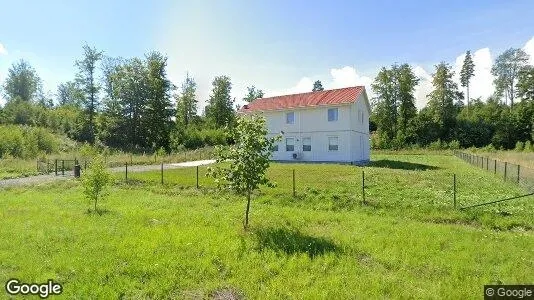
(323, 126)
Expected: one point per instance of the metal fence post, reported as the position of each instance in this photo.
(495, 166)
(363, 187)
(62, 167)
(518, 170)
(505, 167)
(197, 177)
(294, 193)
(454, 189)
(161, 173)
(126, 173)
(56, 167)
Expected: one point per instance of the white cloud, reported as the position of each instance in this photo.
(481, 84)
(347, 76)
(305, 84)
(423, 88)
(3, 50)
(529, 49)
(340, 78)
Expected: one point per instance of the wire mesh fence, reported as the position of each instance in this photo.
(521, 175)
(65, 166)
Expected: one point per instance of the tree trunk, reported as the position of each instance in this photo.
(468, 99)
(248, 209)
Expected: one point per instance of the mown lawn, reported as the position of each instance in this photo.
(174, 241)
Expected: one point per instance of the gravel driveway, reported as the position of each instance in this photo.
(39, 179)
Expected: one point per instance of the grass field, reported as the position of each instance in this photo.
(525, 159)
(174, 241)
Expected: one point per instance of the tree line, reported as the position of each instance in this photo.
(451, 118)
(128, 104)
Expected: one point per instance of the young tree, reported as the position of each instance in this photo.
(442, 100)
(220, 109)
(317, 86)
(96, 180)
(186, 101)
(468, 71)
(248, 159)
(506, 70)
(253, 94)
(87, 80)
(22, 82)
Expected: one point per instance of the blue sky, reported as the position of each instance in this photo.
(279, 46)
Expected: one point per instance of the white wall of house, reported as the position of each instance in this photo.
(311, 126)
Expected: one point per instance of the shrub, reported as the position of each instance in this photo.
(436, 145)
(454, 145)
(519, 146)
(96, 180)
(528, 147)
(27, 142)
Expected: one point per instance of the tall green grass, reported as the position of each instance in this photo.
(174, 241)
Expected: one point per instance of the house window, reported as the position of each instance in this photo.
(274, 148)
(290, 118)
(332, 114)
(306, 144)
(290, 144)
(333, 143)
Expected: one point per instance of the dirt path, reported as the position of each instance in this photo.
(40, 179)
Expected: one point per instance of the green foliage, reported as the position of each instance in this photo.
(86, 80)
(220, 108)
(525, 84)
(253, 93)
(506, 70)
(519, 146)
(22, 82)
(442, 99)
(395, 106)
(96, 181)
(158, 107)
(27, 142)
(69, 94)
(317, 86)
(528, 147)
(454, 145)
(248, 159)
(436, 145)
(186, 102)
(468, 71)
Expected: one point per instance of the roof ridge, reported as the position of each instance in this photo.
(336, 89)
(308, 99)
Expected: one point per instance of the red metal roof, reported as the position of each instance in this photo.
(327, 97)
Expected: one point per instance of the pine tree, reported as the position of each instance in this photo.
(317, 86)
(468, 71)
